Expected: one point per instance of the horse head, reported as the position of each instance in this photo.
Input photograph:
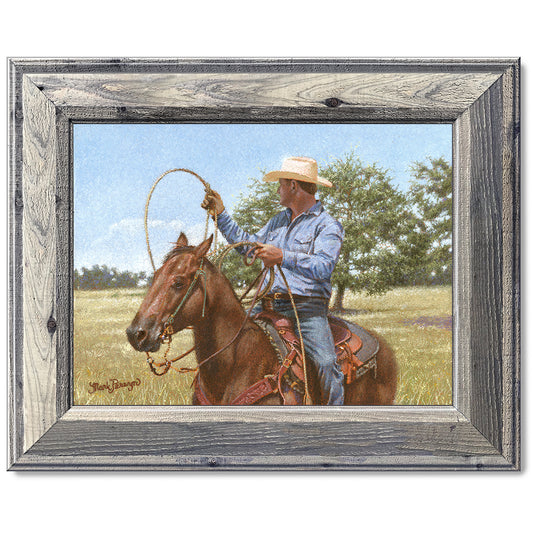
(177, 295)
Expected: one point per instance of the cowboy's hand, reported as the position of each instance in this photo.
(213, 202)
(270, 255)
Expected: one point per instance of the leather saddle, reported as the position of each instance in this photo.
(356, 348)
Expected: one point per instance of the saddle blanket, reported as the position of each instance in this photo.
(356, 348)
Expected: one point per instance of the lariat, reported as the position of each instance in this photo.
(207, 188)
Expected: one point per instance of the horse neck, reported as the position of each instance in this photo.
(246, 356)
(223, 319)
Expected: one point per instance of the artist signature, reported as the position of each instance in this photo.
(111, 385)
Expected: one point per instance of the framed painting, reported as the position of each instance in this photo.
(435, 141)
(400, 287)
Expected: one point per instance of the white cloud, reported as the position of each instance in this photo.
(124, 244)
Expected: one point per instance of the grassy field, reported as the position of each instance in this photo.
(107, 371)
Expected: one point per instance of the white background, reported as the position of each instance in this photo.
(362, 502)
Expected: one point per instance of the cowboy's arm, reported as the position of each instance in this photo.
(234, 233)
(227, 226)
(320, 263)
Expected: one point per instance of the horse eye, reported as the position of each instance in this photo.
(178, 284)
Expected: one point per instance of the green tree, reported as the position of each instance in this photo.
(372, 211)
(255, 209)
(374, 214)
(431, 197)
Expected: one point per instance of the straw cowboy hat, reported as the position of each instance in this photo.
(298, 168)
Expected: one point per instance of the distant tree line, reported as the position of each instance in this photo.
(103, 277)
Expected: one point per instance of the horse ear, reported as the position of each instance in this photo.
(182, 241)
(202, 248)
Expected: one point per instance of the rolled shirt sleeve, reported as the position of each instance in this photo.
(233, 233)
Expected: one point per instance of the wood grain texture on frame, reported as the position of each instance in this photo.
(480, 98)
(39, 269)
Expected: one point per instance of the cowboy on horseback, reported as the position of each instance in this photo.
(305, 242)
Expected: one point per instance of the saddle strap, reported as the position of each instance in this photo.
(264, 387)
(259, 390)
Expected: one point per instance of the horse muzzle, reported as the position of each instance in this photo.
(143, 339)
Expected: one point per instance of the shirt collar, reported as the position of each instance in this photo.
(316, 209)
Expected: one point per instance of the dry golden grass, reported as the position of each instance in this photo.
(102, 352)
(424, 354)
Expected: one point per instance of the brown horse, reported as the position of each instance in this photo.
(211, 307)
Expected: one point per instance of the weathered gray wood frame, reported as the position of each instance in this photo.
(479, 96)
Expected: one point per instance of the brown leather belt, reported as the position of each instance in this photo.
(286, 296)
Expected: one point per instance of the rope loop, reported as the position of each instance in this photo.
(207, 189)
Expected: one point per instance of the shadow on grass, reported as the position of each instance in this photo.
(441, 322)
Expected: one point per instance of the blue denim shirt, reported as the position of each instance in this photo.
(311, 245)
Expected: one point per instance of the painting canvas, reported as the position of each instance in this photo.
(392, 194)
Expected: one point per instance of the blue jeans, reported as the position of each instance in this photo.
(318, 344)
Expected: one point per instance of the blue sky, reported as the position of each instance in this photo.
(115, 166)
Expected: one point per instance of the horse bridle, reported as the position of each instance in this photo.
(166, 335)
(167, 327)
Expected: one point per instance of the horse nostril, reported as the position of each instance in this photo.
(136, 335)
